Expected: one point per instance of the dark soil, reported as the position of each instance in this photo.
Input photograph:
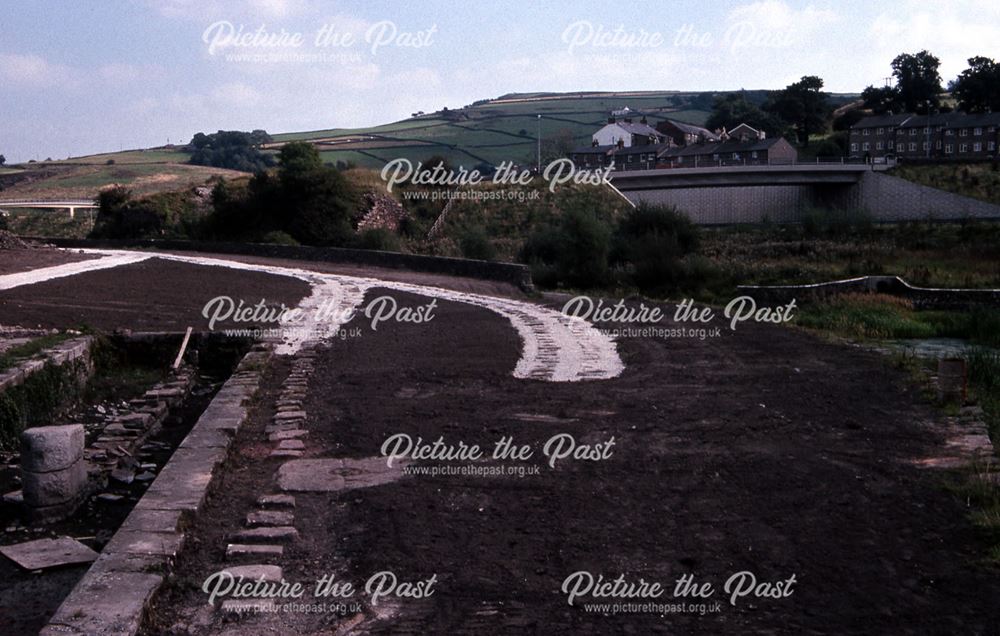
(21, 260)
(763, 450)
(152, 295)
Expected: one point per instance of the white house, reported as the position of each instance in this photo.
(628, 133)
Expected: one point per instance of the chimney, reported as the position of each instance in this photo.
(643, 120)
(628, 120)
(621, 144)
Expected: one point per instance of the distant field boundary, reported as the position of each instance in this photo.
(513, 273)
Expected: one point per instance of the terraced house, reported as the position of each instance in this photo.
(680, 145)
(952, 136)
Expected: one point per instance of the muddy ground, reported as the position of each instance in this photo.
(20, 260)
(152, 295)
(764, 449)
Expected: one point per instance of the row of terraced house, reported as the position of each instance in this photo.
(635, 145)
(944, 136)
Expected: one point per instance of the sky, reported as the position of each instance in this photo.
(86, 77)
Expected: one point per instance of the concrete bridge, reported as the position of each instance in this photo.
(781, 193)
(49, 204)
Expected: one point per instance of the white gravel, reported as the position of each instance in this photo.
(555, 348)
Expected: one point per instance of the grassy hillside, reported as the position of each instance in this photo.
(84, 180)
(503, 129)
(976, 180)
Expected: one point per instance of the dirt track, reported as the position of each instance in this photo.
(762, 450)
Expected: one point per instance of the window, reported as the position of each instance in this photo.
(991, 146)
(715, 156)
(927, 130)
(977, 147)
(854, 147)
(963, 148)
(964, 132)
(867, 132)
(753, 155)
(913, 132)
(949, 133)
(866, 146)
(937, 145)
(925, 146)
(892, 144)
(878, 146)
(977, 132)
(991, 129)
(913, 147)
(880, 131)
(949, 148)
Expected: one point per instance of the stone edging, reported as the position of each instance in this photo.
(58, 355)
(111, 597)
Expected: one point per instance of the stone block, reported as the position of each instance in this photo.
(49, 448)
(56, 487)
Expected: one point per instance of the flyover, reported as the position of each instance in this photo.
(49, 204)
(728, 195)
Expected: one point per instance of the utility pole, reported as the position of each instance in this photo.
(539, 136)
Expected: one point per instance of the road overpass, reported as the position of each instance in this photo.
(725, 195)
(49, 204)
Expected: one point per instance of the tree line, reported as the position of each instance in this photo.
(802, 108)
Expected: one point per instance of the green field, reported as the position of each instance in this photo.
(498, 130)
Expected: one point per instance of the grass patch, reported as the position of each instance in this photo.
(884, 317)
(13, 356)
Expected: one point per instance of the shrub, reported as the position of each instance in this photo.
(475, 244)
(278, 238)
(379, 239)
(651, 242)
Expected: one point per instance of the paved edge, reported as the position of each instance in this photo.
(59, 354)
(112, 596)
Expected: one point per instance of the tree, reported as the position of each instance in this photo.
(732, 109)
(803, 104)
(977, 87)
(882, 100)
(3, 160)
(231, 149)
(917, 80)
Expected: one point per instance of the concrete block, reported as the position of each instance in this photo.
(48, 448)
(56, 487)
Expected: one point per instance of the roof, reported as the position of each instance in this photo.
(732, 145)
(883, 120)
(591, 150)
(642, 149)
(638, 129)
(691, 129)
(954, 120)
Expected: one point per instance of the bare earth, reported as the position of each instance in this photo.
(763, 450)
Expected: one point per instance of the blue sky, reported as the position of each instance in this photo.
(82, 77)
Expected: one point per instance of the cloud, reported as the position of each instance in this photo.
(953, 32)
(201, 10)
(33, 70)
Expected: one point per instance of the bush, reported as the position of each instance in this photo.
(475, 244)
(574, 253)
(651, 242)
(379, 239)
(278, 238)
